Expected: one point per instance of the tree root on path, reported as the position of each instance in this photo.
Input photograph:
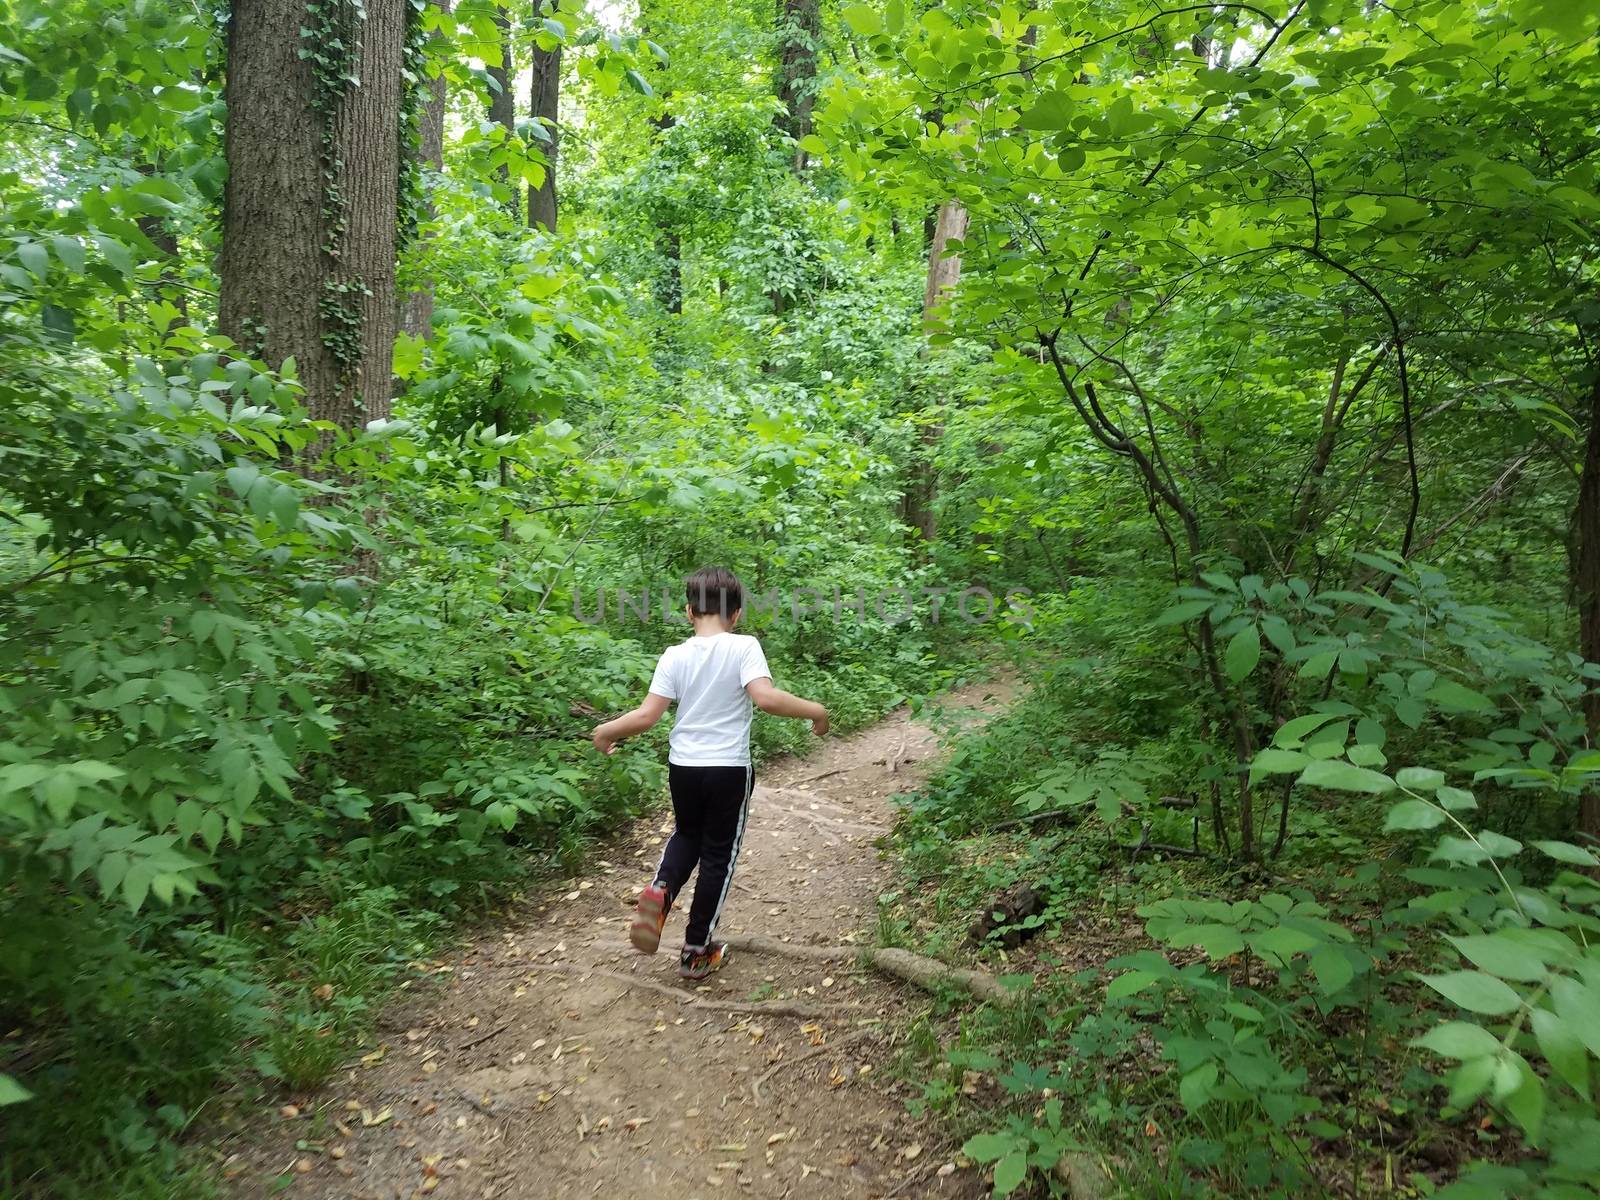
(926, 973)
(771, 1008)
(827, 1048)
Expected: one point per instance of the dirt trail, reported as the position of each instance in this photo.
(557, 1062)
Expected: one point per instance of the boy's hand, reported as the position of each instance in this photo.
(819, 725)
(602, 743)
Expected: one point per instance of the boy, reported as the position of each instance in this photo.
(714, 676)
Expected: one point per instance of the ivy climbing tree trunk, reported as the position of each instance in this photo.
(502, 100)
(799, 34)
(416, 309)
(309, 225)
(544, 106)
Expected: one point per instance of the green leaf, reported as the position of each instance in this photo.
(116, 253)
(35, 258)
(1365, 754)
(1568, 853)
(1292, 733)
(1475, 992)
(285, 506)
(1525, 1104)
(1420, 779)
(71, 253)
(1503, 955)
(1197, 1087)
(109, 872)
(1179, 613)
(1413, 814)
(1127, 984)
(242, 477)
(1579, 1006)
(1333, 969)
(1278, 945)
(1470, 1079)
(1277, 762)
(136, 884)
(210, 828)
(1562, 1049)
(1318, 665)
(12, 1092)
(1448, 694)
(987, 1147)
(1009, 1172)
(1459, 1040)
(1339, 776)
(1497, 845)
(1216, 939)
(1410, 711)
(1244, 651)
(863, 19)
(92, 770)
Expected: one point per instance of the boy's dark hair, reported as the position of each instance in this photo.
(714, 590)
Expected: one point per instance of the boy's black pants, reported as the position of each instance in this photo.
(709, 805)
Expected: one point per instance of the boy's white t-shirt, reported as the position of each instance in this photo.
(707, 677)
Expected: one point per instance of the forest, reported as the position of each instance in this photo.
(1221, 381)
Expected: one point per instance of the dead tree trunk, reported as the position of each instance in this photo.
(309, 224)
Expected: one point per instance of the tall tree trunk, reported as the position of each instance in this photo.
(545, 106)
(308, 257)
(502, 100)
(798, 37)
(1586, 583)
(944, 271)
(416, 308)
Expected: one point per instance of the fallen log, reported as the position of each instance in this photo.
(926, 973)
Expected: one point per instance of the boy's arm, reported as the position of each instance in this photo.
(780, 703)
(605, 737)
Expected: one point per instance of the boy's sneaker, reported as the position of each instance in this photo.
(697, 964)
(649, 918)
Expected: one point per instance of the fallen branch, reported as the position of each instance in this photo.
(482, 1038)
(827, 1048)
(917, 1176)
(817, 776)
(926, 973)
(1067, 815)
(1073, 815)
(771, 1008)
(485, 1109)
(1165, 848)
